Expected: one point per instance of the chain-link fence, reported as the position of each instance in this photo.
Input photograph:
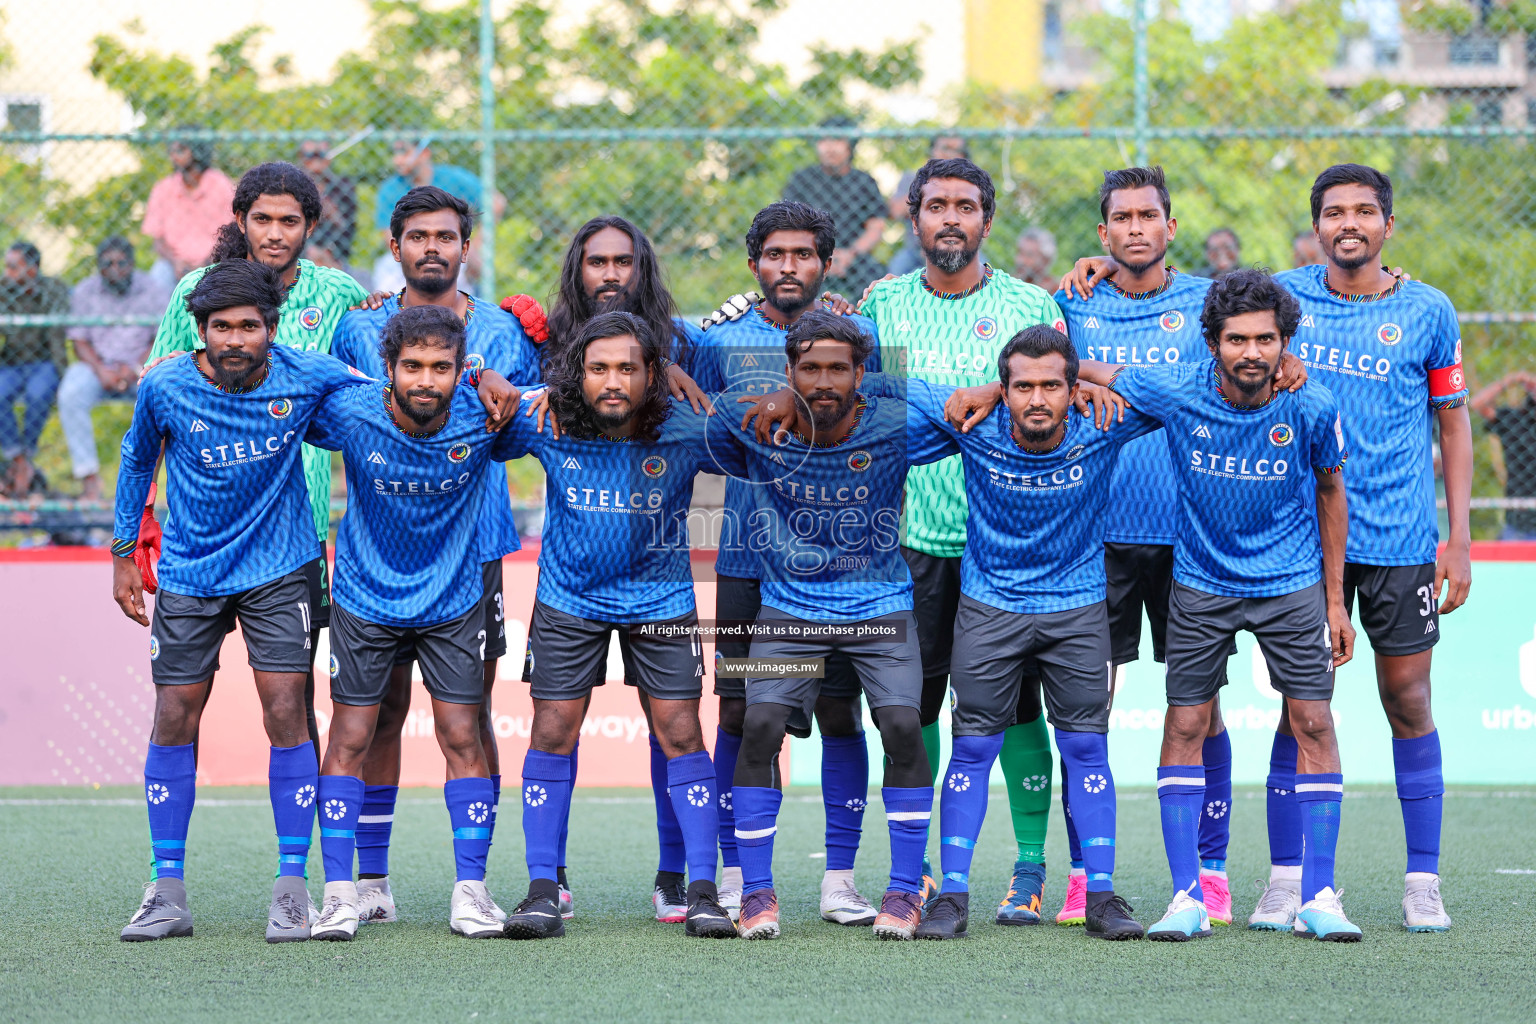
(688, 117)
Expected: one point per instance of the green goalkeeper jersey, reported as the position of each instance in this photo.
(307, 319)
(952, 340)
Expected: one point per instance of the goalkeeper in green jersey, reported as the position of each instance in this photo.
(276, 208)
(948, 321)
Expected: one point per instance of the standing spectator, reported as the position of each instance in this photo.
(910, 256)
(854, 201)
(109, 358)
(1515, 427)
(29, 361)
(1033, 256)
(1306, 250)
(186, 209)
(1223, 253)
(338, 199)
(414, 166)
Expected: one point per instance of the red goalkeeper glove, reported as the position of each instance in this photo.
(148, 551)
(530, 314)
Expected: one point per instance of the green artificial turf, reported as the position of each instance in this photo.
(74, 861)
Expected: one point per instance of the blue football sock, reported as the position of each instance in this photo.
(691, 781)
(844, 791)
(1074, 847)
(373, 829)
(757, 814)
(565, 817)
(546, 802)
(170, 789)
(495, 802)
(1216, 819)
(1420, 787)
(673, 852)
(727, 747)
(469, 812)
(907, 812)
(293, 777)
(963, 805)
(1087, 778)
(341, 805)
(1284, 817)
(1180, 792)
(1319, 799)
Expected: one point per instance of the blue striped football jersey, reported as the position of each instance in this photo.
(1391, 360)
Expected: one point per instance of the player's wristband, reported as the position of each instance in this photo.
(472, 377)
(124, 548)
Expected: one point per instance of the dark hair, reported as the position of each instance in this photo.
(1247, 291)
(115, 243)
(1134, 177)
(822, 325)
(1224, 231)
(201, 149)
(847, 125)
(238, 282)
(965, 147)
(277, 178)
(29, 252)
(566, 371)
(1352, 174)
(1037, 342)
(429, 199)
(436, 326)
(953, 168)
(649, 298)
(788, 215)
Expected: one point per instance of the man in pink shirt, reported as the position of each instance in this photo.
(185, 209)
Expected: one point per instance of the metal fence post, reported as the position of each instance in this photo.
(487, 286)
(1139, 83)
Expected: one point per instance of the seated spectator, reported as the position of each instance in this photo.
(186, 209)
(1033, 257)
(338, 199)
(29, 362)
(1515, 427)
(1306, 250)
(1223, 254)
(910, 256)
(324, 250)
(109, 358)
(854, 201)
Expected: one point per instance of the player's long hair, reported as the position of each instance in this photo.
(566, 369)
(647, 294)
(270, 179)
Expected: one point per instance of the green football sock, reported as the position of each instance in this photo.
(1026, 760)
(931, 744)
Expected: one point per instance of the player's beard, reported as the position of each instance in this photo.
(952, 261)
(1352, 262)
(1033, 436)
(823, 418)
(1144, 266)
(1249, 386)
(434, 285)
(254, 254)
(608, 300)
(790, 308)
(233, 370)
(416, 413)
(612, 420)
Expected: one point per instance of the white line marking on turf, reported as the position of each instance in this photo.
(1514, 871)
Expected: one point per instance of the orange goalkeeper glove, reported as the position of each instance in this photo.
(530, 314)
(148, 551)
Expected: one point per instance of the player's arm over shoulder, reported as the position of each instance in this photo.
(1158, 391)
(1325, 428)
